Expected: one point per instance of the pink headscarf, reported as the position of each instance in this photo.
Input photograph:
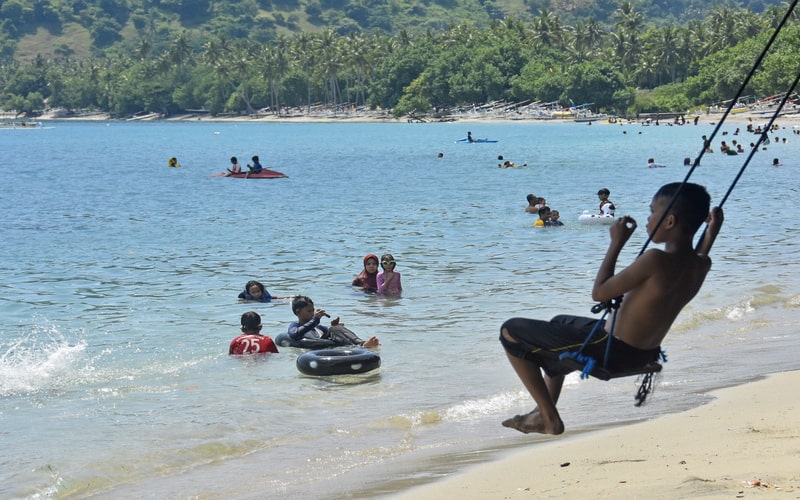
(365, 279)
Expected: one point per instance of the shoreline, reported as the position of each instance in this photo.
(385, 117)
(746, 440)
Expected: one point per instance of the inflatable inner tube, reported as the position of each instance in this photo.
(594, 218)
(338, 362)
(284, 340)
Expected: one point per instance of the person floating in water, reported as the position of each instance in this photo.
(606, 206)
(656, 286)
(255, 291)
(308, 326)
(173, 162)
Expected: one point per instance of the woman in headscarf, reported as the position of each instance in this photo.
(368, 278)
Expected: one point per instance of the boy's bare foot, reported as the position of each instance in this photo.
(371, 342)
(532, 422)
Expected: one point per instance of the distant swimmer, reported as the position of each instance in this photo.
(173, 162)
(651, 163)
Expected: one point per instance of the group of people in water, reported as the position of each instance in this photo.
(737, 147)
(551, 218)
(307, 331)
(547, 216)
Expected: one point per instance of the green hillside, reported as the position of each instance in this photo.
(253, 57)
(77, 29)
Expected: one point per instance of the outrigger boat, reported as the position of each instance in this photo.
(20, 125)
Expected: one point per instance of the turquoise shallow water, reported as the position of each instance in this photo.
(120, 275)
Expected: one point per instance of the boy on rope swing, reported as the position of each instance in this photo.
(655, 287)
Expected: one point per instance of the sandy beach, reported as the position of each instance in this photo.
(379, 116)
(744, 444)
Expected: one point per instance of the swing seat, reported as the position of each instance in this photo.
(603, 374)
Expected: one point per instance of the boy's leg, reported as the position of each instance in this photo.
(344, 336)
(545, 391)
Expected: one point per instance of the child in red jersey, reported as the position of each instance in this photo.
(251, 341)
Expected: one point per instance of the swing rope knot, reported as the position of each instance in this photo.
(608, 305)
(587, 361)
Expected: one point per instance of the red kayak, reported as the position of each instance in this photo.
(264, 174)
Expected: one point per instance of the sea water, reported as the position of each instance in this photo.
(119, 279)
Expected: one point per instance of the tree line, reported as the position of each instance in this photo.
(626, 68)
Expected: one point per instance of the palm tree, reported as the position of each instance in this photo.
(664, 51)
(547, 29)
(143, 49)
(331, 63)
(180, 51)
(277, 61)
(215, 52)
(359, 57)
(303, 51)
(595, 35)
(578, 45)
(242, 63)
(628, 18)
(723, 22)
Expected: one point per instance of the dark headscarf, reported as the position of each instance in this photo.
(365, 279)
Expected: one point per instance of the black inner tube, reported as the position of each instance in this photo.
(338, 362)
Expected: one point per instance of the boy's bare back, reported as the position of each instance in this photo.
(647, 311)
(657, 286)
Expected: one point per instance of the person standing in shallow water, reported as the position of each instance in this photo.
(531, 208)
(389, 279)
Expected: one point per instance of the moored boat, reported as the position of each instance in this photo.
(20, 124)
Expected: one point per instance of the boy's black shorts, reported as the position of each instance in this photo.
(544, 341)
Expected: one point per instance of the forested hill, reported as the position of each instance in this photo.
(77, 29)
